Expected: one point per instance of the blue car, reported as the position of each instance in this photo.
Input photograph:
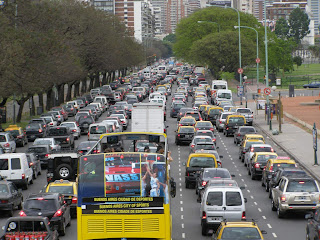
(312, 85)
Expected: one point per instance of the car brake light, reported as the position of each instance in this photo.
(238, 134)
(7, 145)
(220, 121)
(197, 129)
(71, 109)
(58, 213)
(211, 129)
(256, 165)
(204, 215)
(80, 151)
(74, 200)
(22, 214)
(227, 128)
(74, 130)
(271, 169)
(243, 215)
(213, 140)
(204, 183)
(47, 155)
(200, 119)
(252, 149)
(31, 164)
(4, 201)
(23, 176)
(192, 145)
(68, 139)
(40, 130)
(51, 123)
(283, 198)
(178, 135)
(272, 150)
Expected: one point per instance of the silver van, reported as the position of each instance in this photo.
(219, 203)
(95, 131)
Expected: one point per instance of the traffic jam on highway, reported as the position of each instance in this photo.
(210, 139)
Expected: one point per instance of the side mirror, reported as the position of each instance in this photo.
(263, 231)
(220, 156)
(232, 175)
(245, 200)
(217, 147)
(308, 216)
(173, 188)
(242, 187)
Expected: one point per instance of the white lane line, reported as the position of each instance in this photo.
(180, 194)
(242, 179)
(229, 156)
(269, 226)
(252, 197)
(231, 159)
(181, 202)
(182, 225)
(264, 217)
(180, 179)
(248, 190)
(246, 185)
(180, 184)
(181, 209)
(179, 173)
(181, 216)
(236, 166)
(179, 169)
(255, 203)
(183, 235)
(240, 174)
(274, 235)
(180, 189)
(259, 209)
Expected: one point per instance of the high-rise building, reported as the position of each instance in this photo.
(160, 12)
(104, 5)
(314, 8)
(175, 12)
(191, 6)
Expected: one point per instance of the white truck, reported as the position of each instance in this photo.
(148, 117)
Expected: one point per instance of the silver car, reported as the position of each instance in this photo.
(74, 128)
(221, 119)
(54, 145)
(7, 142)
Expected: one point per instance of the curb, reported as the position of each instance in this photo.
(307, 125)
(304, 166)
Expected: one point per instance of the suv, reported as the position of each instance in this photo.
(50, 205)
(42, 152)
(295, 194)
(221, 119)
(19, 135)
(10, 197)
(247, 113)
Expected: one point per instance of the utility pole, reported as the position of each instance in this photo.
(279, 112)
(14, 94)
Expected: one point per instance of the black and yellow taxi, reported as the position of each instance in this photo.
(19, 134)
(68, 190)
(233, 122)
(239, 230)
(184, 134)
(187, 121)
(212, 114)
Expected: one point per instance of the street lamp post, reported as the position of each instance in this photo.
(240, 74)
(257, 59)
(219, 26)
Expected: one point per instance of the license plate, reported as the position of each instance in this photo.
(302, 198)
(187, 136)
(85, 125)
(33, 136)
(216, 219)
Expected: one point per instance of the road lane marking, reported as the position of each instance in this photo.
(180, 189)
(269, 226)
(259, 209)
(229, 156)
(242, 179)
(180, 184)
(264, 217)
(248, 189)
(179, 173)
(179, 168)
(180, 179)
(181, 209)
(255, 203)
(252, 197)
(180, 194)
(183, 235)
(182, 225)
(181, 216)
(181, 202)
(240, 174)
(274, 235)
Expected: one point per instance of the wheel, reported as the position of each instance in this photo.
(64, 171)
(273, 207)
(25, 186)
(62, 232)
(31, 181)
(267, 187)
(280, 213)
(197, 192)
(204, 230)
(270, 193)
(249, 173)
(253, 177)
(262, 183)
(187, 184)
(35, 175)
(307, 236)
(69, 224)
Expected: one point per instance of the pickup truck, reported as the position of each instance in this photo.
(62, 135)
(247, 113)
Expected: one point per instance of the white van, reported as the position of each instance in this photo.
(162, 69)
(219, 203)
(96, 129)
(103, 100)
(218, 84)
(223, 95)
(15, 168)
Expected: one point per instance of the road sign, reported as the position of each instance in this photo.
(240, 70)
(240, 91)
(257, 60)
(314, 135)
(267, 91)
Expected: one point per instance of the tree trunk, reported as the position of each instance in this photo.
(113, 75)
(60, 94)
(40, 99)
(21, 103)
(84, 85)
(49, 99)
(91, 76)
(109, 77)
(3, 102)
(96, 81)
(104, 78)
(68, 97)
(33, 107)
(76, 92)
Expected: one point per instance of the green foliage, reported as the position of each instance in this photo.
(315, 50)
(299, 24)
(227, 75)
(282, 28)
(170, 38)
(297, 60)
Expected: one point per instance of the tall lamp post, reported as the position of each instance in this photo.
(257, 59)
(240, 74)
(219, 26)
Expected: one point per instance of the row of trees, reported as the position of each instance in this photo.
(48, 44)
(208, 37)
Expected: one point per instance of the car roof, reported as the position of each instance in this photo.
(44, 195)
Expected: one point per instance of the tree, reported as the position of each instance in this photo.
(299, 24)
(170, 38)
(282, 28)
(297, 60)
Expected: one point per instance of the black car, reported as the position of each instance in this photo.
(238, 135)
(182, 112)
(175, 108)
(41, 121)
(34, 164)
(85, 146)
(114, 85)
(35, 130)
(10, 197)
(50, 205)
(184, 135)
(84, 123)
(204, 125)
(275, 179)
(313, 225)
(71, 110)
(36, 227)
(41, 152)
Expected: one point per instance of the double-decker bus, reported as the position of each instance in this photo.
(125, 195)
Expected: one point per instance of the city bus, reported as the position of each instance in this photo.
(125, 193)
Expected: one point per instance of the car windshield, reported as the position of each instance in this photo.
(224, 95)
(302, 186)
(262, 149)
(37, 150)
(40, 141)
(239, 233)
(86, 144)
(214, 112)
(188, 120)
(14, 132)
(247, 130)
(216, 173)
(236, 120)
(244, 110)
(202, 140)
(69, 125)
(178, 105)
(264, 158)
(98, 130)
(205, 146)
(58, 131)
(61, 189)
(4, 189)
(33, 127)
(41, 204)
(186, 130)
(276, 166)
(202, 162)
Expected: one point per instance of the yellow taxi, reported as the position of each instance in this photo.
(233, 122)
(212, 113)
(184, 134)
(196, 162)
(272, 166)
(257, 163)
(253, 137)
(187, 121)
(238, 230)
(245, 145)
(158, 86)
(68, 190)
(18, 133)
(202, 108)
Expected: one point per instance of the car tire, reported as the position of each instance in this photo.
(262, 183)
(267, 187)
(204, 230)
(20, 204)
(253, 177)
(273, 207)
(270, 194)
(62, 232)
(280, 213)
(64, 171)
(249, 173)
(187, 184)
(25, 186)
(307, 236)
(69, 224)
(35, 175)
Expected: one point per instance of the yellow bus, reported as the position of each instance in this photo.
(125, 194)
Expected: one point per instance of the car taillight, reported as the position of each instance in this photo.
(252, 149)
(180, 124)
(197, 129)
(283, 198)
(227, 128)
(271, 169)
(204, 183)
(31, 164)
(22, 214)
(243, 215)
(40, 130)
(211, 129)
(68, 139)
(23, 176)
(74, 200)
(256, 165)
(71, 109)
(20, 136)
(4, 201)
(178, 135)
(272, 150)
(7, 145)
(58, 213)
(220, 121)
(44, 126)
(51, 123)
(74, 130)
(204, 215)
(200, 119)
(213, 140)
(192, 145)
(80, 151)
(47, 155)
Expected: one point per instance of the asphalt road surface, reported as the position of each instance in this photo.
(185, 209)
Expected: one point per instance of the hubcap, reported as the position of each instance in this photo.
(64, 172)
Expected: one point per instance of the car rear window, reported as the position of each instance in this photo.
(302, 186)
(195, 115)
(247, 130)
(233, 199)
(178, 105)
(214, 199)
(205, 146)
(186, 130)
(249, 233)
(188, 120)
(15, 163)
(210, 134)
(32, 127)
(264, 158)
(204, 124)
(14, 132)
(262, 149)
(276, 166)
(236, 120)
(41, 204)
(243, 111)
(3, 164)
(216, 173)
(61, 189)
(201, 162)
(58, 131)
(98, 130)
(203, 140)
(37, 150)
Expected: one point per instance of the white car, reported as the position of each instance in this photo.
(54, 145)
(73, 128)
(7, 142)
(50, 121)
(122, 119)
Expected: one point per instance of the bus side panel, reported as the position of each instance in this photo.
(103, 226)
